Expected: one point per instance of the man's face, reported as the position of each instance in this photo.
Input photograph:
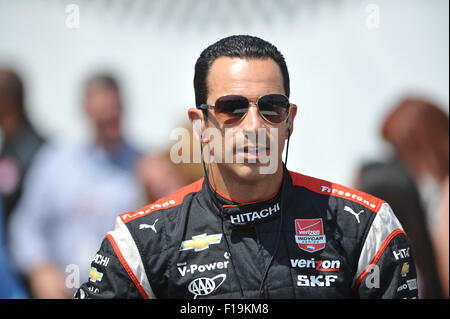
(104, 110)
(251, 78)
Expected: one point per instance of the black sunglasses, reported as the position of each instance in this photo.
(230, 109)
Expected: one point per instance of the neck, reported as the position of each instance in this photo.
(245, 189)
(108, 145)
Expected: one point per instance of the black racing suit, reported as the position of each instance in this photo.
(314, 239)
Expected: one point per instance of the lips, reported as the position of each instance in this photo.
(253, 150)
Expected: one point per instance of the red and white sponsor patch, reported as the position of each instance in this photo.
(310, 236)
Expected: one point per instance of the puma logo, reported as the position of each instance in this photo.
(348, 209)
(144, 226)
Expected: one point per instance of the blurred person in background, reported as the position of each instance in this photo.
(20, 141)
(441, 237)
(392, 181)
(160, 176)
(72, 195)
(419, 133)
(10, 287)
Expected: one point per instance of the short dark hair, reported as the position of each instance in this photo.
(103, 79)
(241, 46)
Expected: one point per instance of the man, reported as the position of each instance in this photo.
(11, 287)
(392, 181)
(72, 195)
(241, 233)
(20, 141)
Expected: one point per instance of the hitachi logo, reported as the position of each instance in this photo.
(253, 216)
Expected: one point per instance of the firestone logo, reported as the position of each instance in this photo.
(347, 194)
(130, 216)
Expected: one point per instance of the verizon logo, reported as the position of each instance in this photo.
(320, 265)
(310, 232)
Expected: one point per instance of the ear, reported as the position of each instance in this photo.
(290, 121)
(196, 118)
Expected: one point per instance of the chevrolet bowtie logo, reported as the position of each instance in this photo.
(201, 242)
(94, 275)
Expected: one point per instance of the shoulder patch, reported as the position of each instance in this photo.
(327, 188)
(167, 202)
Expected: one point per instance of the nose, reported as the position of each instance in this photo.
(253, 119)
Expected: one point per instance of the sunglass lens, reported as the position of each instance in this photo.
(231, 108)
(274, 107)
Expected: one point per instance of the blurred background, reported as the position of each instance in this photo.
(346, 72)
(351, 63)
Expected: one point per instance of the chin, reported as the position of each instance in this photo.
(250, 173)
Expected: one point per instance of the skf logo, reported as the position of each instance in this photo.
(94, 275)
(201, 242)
(316, 281)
